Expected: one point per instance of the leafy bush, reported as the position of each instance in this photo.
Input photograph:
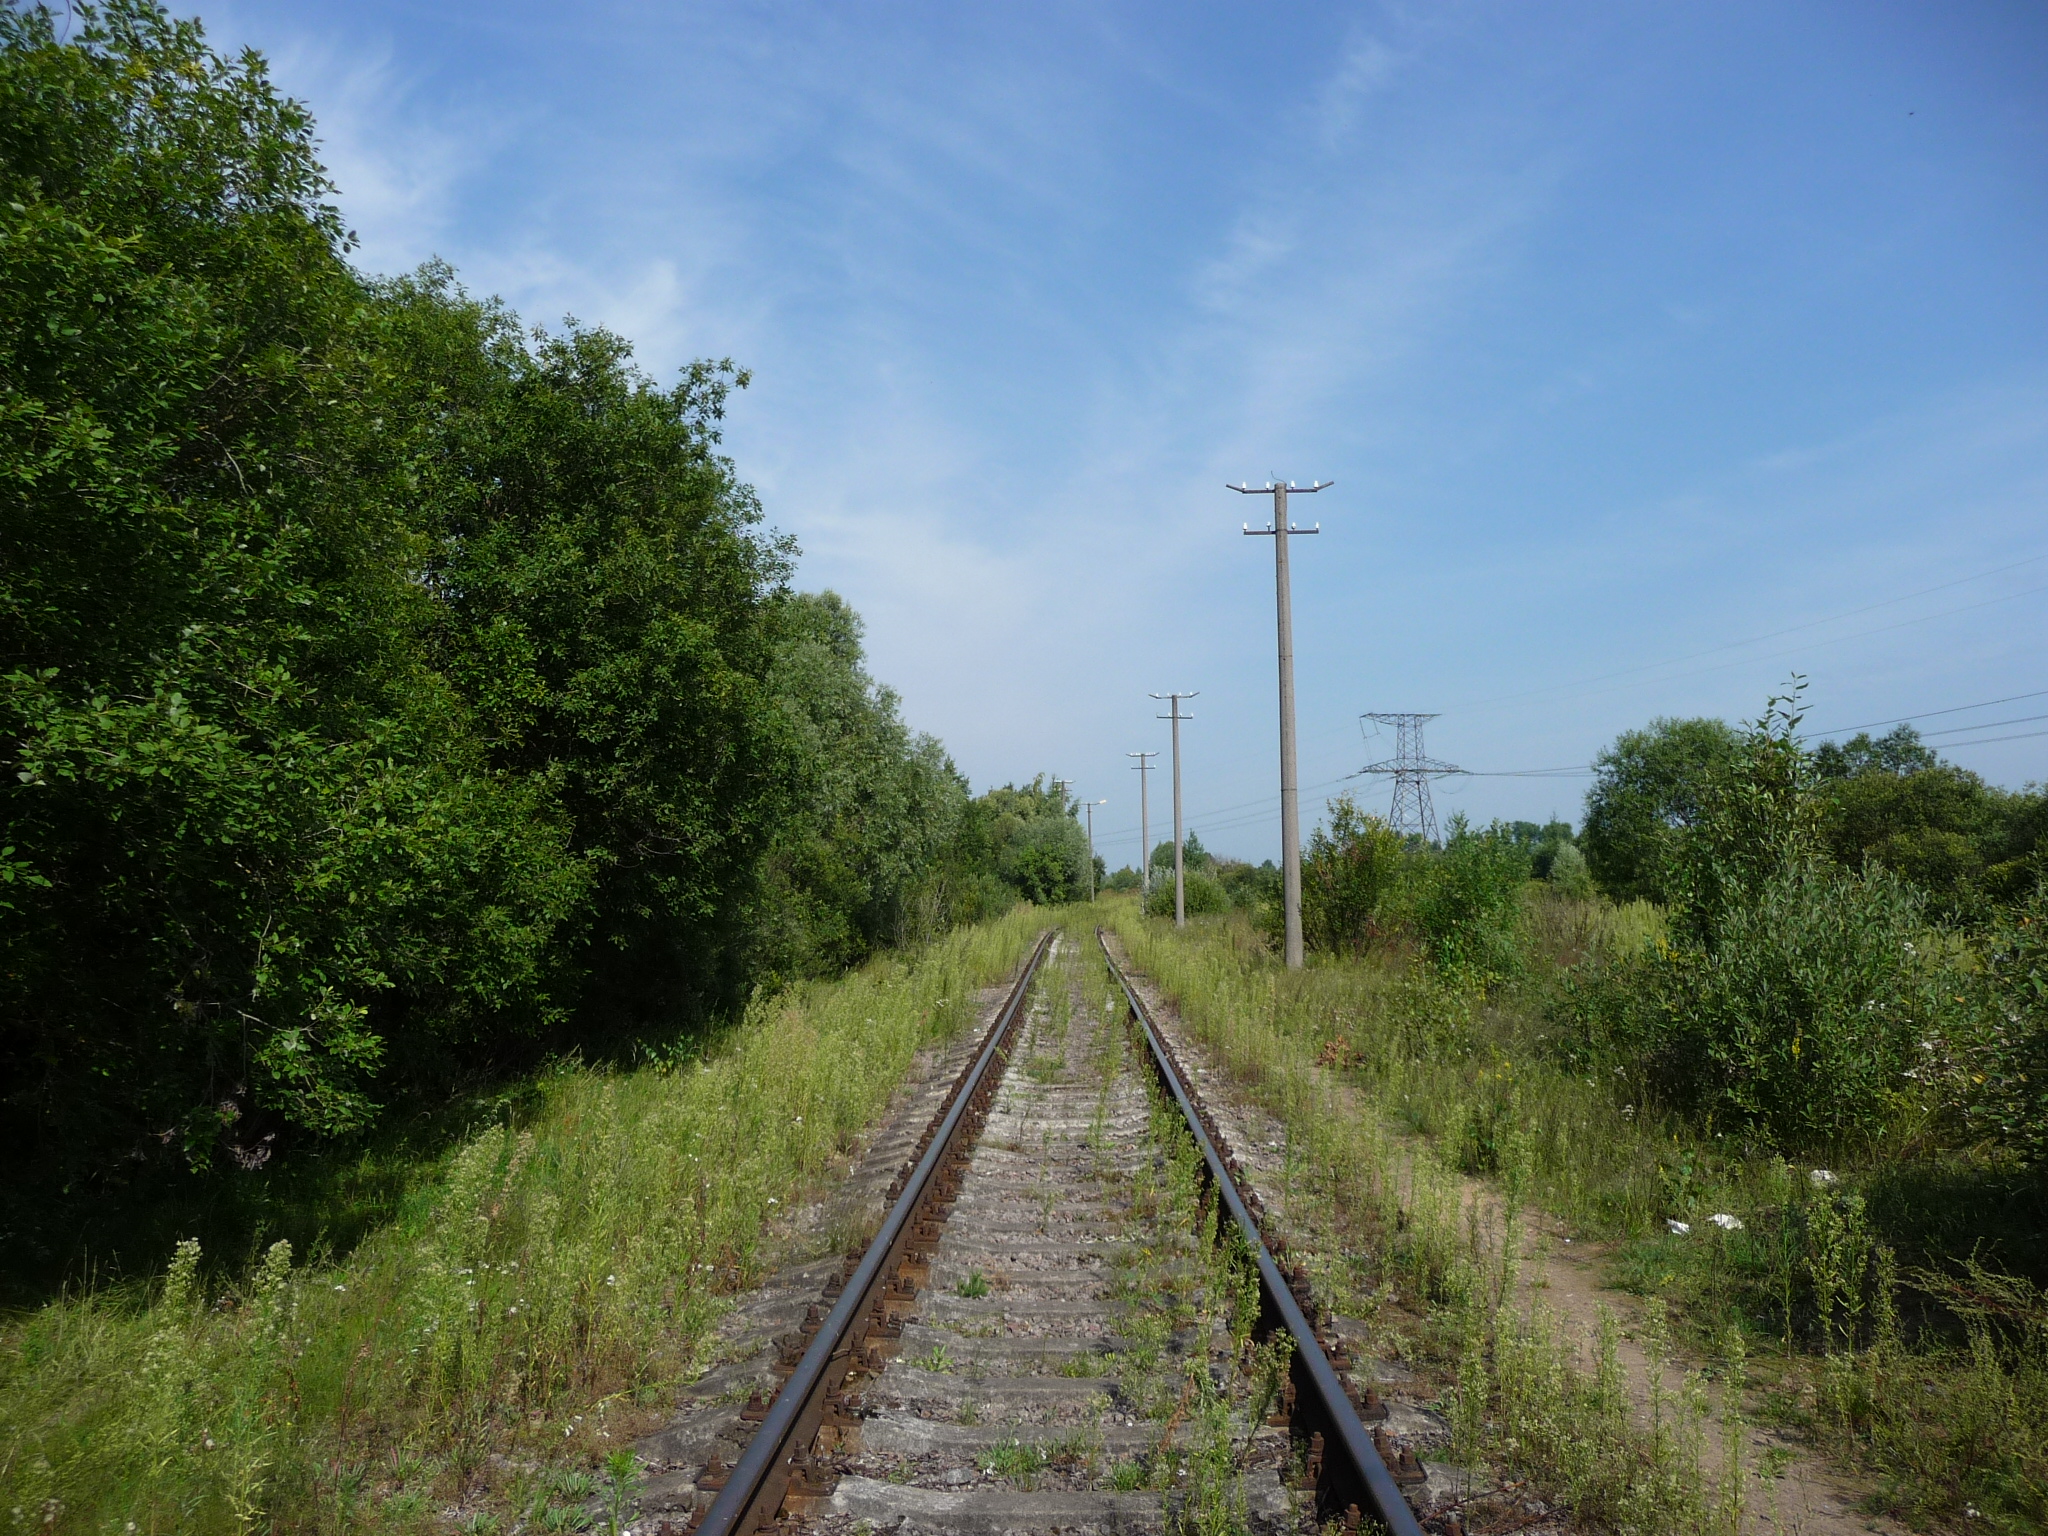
(2000, 1082)
(1364, 887)
(1467, 902)
(1795, 998)
(1801, 1021)
(1351, 877)
(1203, 896)
(1569, 871)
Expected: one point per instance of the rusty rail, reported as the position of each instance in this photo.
(1357, 1477)
(774, 1472)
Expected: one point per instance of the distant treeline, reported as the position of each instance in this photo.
(388, 692)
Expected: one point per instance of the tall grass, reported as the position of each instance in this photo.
(1521, 1398)
(1392, 1083)
(552, 1276)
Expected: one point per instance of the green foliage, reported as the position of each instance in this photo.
(1568, 871)
(1250, 886)
(1466, 902)
(1648, 788)
(1540, 842)
(1796, 998)
(256, 826)
(1192, 855)
(1364, 887)
(1899, 751)
(543, 1271)
(1027, 838)
(1999, 1070)
(389, 693)
(1202, 895)
(855, 862)
(1893, 802)
(1351, 876)
(1800, 1020)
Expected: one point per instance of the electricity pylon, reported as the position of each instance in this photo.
(1412, 769)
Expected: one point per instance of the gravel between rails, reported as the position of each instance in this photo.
(1067, 1367)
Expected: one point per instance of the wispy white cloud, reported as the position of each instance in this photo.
(1022, 289)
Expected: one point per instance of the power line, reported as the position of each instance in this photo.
(1953, 709)
(1985, 725)
(1990, 740)
(1222, 818)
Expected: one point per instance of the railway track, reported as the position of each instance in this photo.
(1070, 1319)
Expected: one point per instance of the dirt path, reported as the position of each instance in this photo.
(1808, 1496)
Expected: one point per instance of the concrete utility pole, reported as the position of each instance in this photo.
(1290, 798)
(1180, 883)
(1089, 807)
(1143, 769)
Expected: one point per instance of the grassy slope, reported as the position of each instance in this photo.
(546, 1278)
(1957, 1422)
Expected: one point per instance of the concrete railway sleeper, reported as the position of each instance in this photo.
(1069, 1319)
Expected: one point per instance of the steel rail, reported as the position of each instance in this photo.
(1381, 1496)
(754, 1490)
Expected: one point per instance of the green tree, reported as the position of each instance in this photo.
(1998, 1077)
(1034, 842)
(1192, 854)
(605, 607)
(1351, 879)
(1795, 994)
(254, 831)
(1647, 788)
(1893, 801)
(1899, 750)
(1466, 902)
(387, 692)
(872, 811)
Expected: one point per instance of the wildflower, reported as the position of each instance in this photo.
(1676, 1227)
(1820, 1178)
(611, 1279)
(341, 1287)
(773, 1201)
(1726, 1222)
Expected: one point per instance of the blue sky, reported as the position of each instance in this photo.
(1655, 351)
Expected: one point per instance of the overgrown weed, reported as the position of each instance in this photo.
(560, 1271)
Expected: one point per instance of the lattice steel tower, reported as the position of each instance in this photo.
(1412, 769)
